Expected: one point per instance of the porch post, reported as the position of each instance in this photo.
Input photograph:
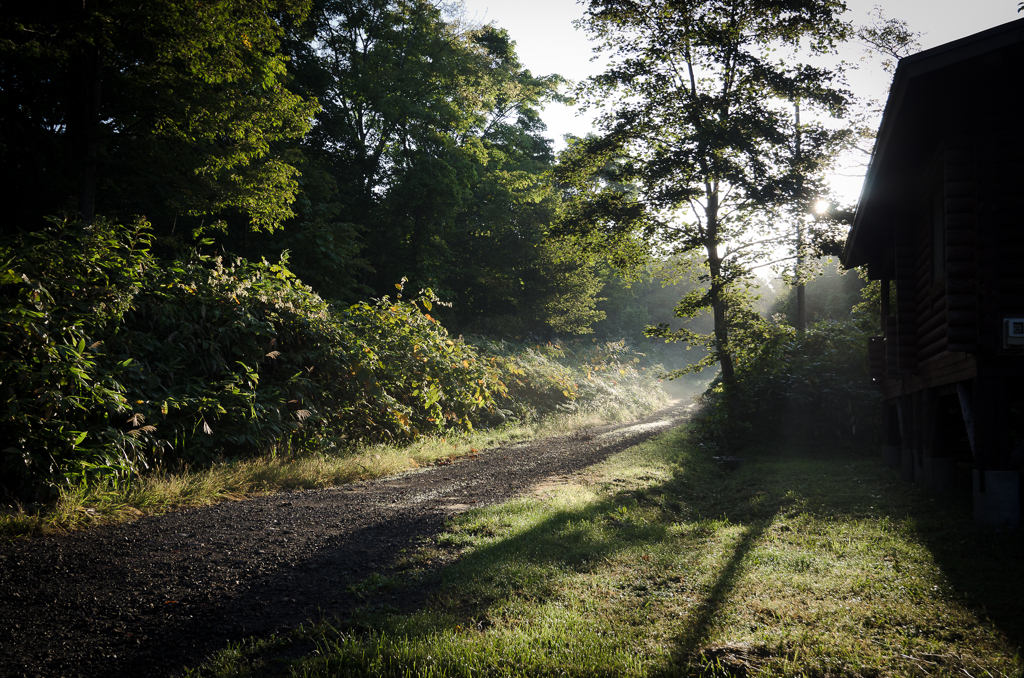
(996, 484)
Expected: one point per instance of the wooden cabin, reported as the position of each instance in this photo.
(941, 224)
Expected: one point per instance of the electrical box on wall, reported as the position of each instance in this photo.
(1013, 333)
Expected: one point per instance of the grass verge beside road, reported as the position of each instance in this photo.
(658, 562)
(159, 492)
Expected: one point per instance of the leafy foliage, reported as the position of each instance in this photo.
(189, 121)
(62, 289)
(799, 388)
(418, 136)
(113, 363)
(428, 161)
(422, 117)
(697, 137)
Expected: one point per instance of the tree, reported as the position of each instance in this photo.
(173, 109)
(891, 39)
(888, 40)
(698, 123)
(430, 131)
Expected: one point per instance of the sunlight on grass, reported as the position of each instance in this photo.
(657, 563)
(302, 470)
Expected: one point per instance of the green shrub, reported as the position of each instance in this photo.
(61, 289)
(112, 361)
(810, 388)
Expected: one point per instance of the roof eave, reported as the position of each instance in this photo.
(908, 69)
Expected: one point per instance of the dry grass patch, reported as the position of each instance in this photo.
(163, 491)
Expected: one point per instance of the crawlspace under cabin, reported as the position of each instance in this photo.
(941, 224)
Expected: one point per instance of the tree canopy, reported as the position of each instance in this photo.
(373, 140)
(428, 160)
(699, 129)
(169, 109)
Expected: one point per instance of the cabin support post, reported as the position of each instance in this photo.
(925, 422)
(996, 486)
(920, 416)
(906, 406)
(939, 464)
(892, 451)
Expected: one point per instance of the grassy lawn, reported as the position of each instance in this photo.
(660, 563)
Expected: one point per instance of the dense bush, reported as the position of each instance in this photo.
(797, 388)
(61, 290)
(112, 361)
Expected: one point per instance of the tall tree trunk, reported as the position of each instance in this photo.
(717, 292)
(801, 296)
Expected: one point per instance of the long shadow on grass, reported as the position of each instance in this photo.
(981, 566)
(830, 489)
(528, 565)
(701, 621)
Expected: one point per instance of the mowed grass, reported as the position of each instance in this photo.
(660, 563)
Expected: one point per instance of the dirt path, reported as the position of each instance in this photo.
(148, 598)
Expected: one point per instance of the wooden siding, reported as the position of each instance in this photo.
(957, 161)
(929, 298)
(959, 183)
(1001, 166)
(945, 368)
(906, 308)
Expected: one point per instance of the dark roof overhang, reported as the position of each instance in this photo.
(912, 125)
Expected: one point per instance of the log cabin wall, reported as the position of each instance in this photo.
(929, 264)
(961, 257)
(1000, 163)
(942, 217)
(906, 306)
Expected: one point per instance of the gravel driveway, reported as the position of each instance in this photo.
(151, 597)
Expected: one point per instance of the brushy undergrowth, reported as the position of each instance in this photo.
(659, 562)
(796, 387)
(135, 386)
(571, 377)
(115, 364)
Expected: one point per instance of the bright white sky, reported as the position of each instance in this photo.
(547, 43)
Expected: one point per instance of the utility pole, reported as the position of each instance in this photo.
(801, 299)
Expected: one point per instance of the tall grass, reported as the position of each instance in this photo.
(605, 380)
(558, 388)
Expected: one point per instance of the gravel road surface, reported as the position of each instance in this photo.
(151, 597)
